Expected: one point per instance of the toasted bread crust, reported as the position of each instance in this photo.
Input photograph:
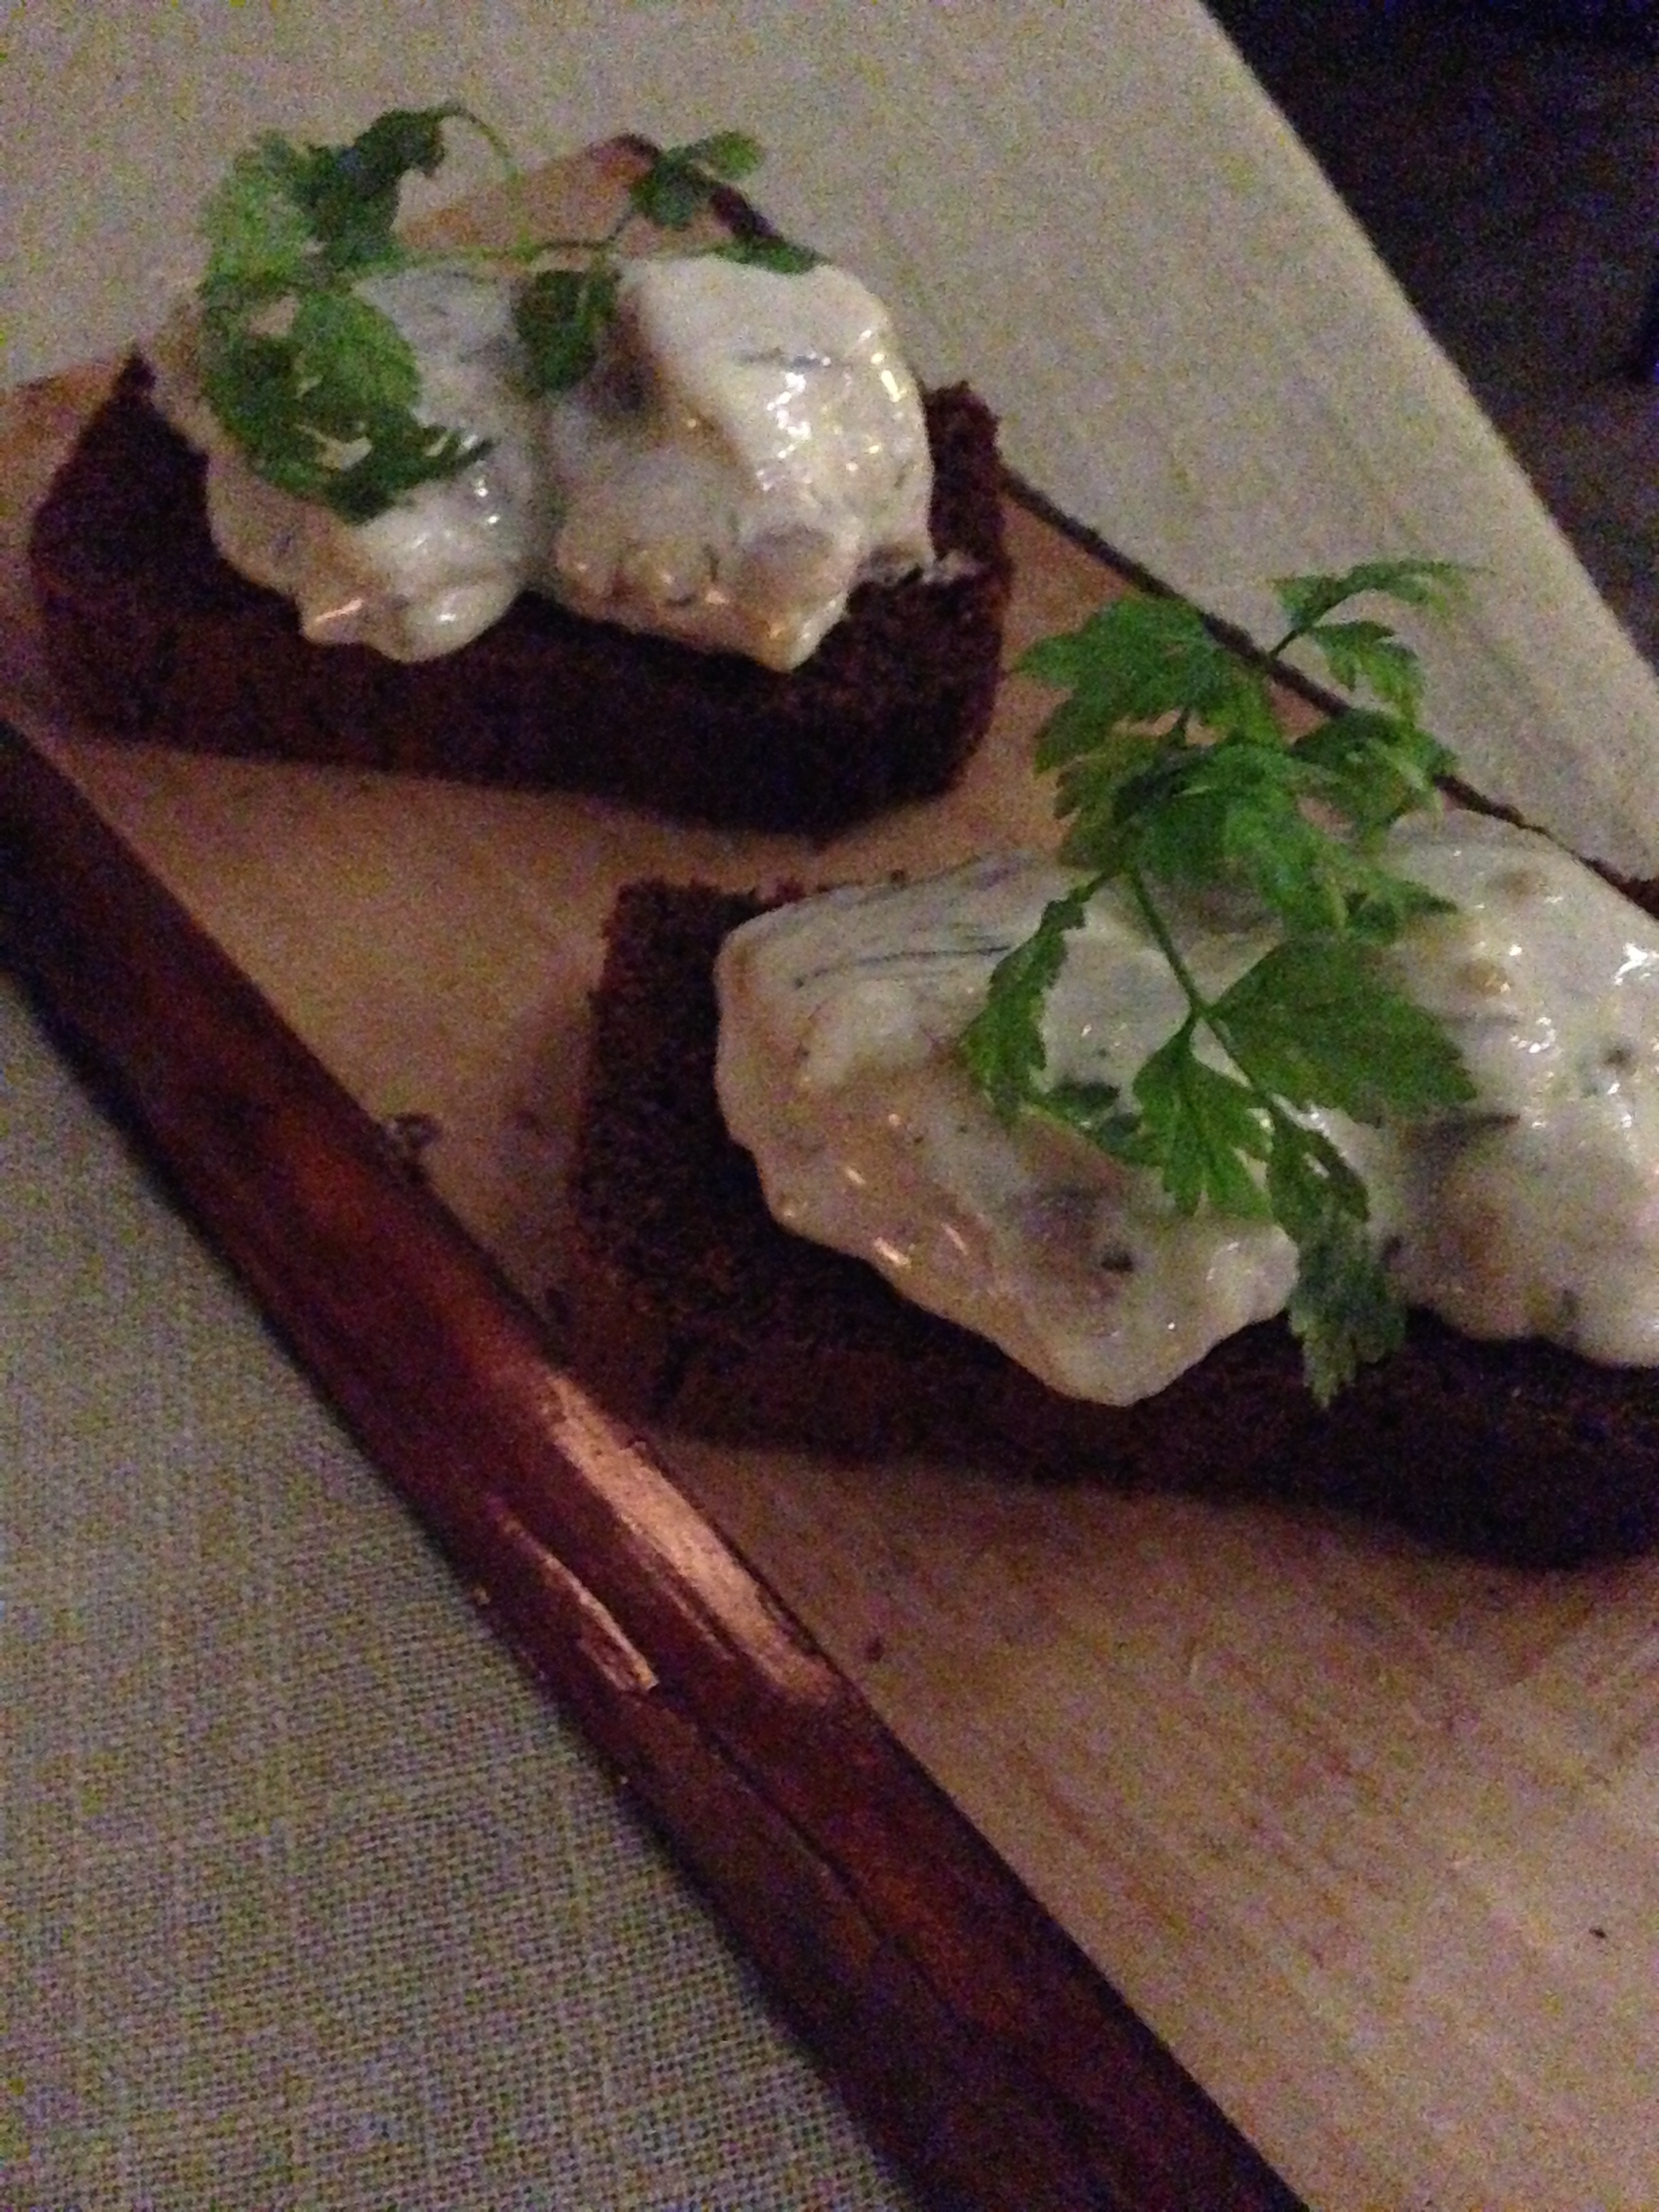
(150, 632)
(692, 1307)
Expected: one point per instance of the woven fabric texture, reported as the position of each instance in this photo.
(308, 1898)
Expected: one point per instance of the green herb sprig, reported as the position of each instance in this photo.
(318, 387)
(563, 313)
(1175, 775)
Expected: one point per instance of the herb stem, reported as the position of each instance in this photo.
(1201, 1012)
(1153, 918)
(492, 138)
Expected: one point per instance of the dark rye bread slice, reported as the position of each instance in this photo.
(150, 632)
(688, 1306)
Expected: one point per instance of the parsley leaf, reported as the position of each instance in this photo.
(1173, 773)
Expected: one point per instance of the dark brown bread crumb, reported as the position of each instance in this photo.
(691, 1306)
(150, 632)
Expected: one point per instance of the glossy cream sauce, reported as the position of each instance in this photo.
(1535, 1212)
(749, 448)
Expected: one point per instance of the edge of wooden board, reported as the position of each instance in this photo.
(980, 2045)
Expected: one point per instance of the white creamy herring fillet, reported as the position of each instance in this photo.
(1535, 1212)
(749, 448)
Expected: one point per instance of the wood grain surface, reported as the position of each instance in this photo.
(1369, 1838)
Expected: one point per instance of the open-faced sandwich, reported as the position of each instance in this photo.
(678, 527)
(1132, 1164)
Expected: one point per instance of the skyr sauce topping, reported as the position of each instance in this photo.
(1532, 1211)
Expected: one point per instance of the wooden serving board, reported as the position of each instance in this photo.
(994, 1779)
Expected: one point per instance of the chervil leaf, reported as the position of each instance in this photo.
(561, 314)
(1265, 843)
(1173, 773)
(1234, 816)
(670, 195)
(1093, 1111)
(781, 255)
(258, 228)
(248, 379)
(1379, 766)
(1309, 1183)
(350, 192)
(326, 411)
(351, 362)
(1140, 659)
(682, 180)
(1080, 727)
(1090, 790)
(1003, 1046)
(1228, 814)
(1317, 1024)
(1377, 904)
(1197, 1127)
(1342, 1309)
(730, 155)
(402, 453)
(1307, 599)
(1369, 652)
(1135, 660)
(342, 180)
(317, 387)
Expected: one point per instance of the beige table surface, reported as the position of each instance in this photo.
(306, 1898)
